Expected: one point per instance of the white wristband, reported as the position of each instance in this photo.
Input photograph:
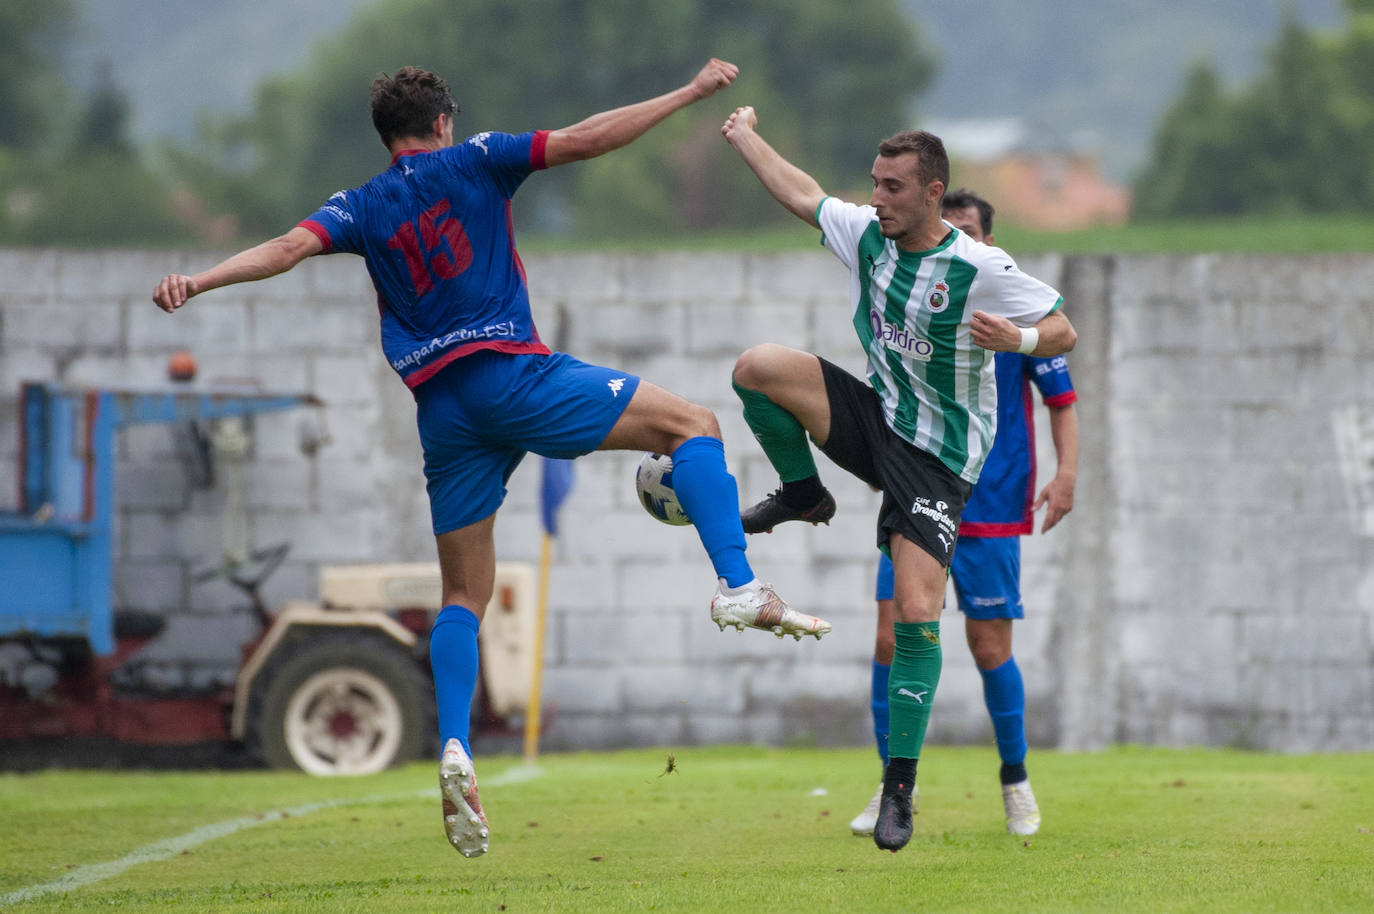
(1030, 338)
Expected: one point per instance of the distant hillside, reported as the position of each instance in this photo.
(1090, 73)
(1093, 73)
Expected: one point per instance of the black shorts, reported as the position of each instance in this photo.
(922, 498)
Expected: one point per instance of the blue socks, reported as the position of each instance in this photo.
(453, 657)
(1005, 695)
(878, 703)
(710, 498)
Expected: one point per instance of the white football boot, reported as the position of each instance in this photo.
(1023, 816)
(464, 822)
(759, 606)
(863, 823)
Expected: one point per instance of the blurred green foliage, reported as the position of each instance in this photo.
(828, 80)
(1299, 139)
(70, 173)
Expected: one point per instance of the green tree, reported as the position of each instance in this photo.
(829, 81)
(99, 191)
(1299, 139)
(31, 90)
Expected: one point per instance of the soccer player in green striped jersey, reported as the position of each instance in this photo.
(930, 306)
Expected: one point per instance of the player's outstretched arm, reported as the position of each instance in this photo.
(995, 332)
(601, 133)
(797, 191)
(266, 259)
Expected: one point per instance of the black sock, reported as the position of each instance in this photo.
(901, 773)
(803, 493)
(1014, 774)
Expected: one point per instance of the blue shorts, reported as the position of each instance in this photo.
(987, 577)
(480, 415)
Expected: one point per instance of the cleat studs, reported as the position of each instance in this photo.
(796, 635)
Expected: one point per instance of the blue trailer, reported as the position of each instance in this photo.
(55, 551)
(331, 686)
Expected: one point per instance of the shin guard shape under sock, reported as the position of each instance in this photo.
(1005, 695)
(781, 436)
(710, 497)
(453, 657)
(916, 664)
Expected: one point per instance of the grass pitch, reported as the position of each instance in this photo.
(731, 829)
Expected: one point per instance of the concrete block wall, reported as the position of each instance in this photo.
(1213, 586)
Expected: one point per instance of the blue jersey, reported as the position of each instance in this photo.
(435, 231)
(1002, 498)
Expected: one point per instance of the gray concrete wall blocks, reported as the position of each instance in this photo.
(1214, 585)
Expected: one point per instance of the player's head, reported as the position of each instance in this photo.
(910, 175)
(409, 103)
(969, 213)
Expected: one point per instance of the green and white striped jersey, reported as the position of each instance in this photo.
(912, 313)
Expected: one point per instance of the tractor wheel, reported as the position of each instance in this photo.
(341, 702)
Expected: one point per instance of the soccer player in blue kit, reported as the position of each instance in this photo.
(435, 232)
(987, 560)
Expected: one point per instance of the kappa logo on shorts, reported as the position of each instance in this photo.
(615, 384)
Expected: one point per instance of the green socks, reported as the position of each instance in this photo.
(916, 664)
(781, 436)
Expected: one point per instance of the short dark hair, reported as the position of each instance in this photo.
(932, 162)
(963, 199)
(407, 103)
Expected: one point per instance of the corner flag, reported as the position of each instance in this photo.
(553, 489)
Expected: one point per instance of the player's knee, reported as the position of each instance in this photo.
(701, 421)
(755, 366)
(884, 647)
(989, 653)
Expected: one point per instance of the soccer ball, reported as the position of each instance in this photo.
(654, 482)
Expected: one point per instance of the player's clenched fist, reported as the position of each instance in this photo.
(740, 119)
(173, 292)
(716, 75)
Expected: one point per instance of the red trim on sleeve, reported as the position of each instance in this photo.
(319, 231)
(1063, 399)
(537, 145)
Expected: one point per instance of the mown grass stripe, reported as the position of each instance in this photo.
(169, 847)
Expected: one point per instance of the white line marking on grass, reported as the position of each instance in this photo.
(170, 847)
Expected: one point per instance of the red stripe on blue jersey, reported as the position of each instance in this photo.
(436, 233)
(1002, 498)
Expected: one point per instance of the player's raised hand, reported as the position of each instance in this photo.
(716, 75)
(994, 332)
(173, 292)
(740, 121)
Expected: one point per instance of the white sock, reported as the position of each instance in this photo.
(736, 591)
